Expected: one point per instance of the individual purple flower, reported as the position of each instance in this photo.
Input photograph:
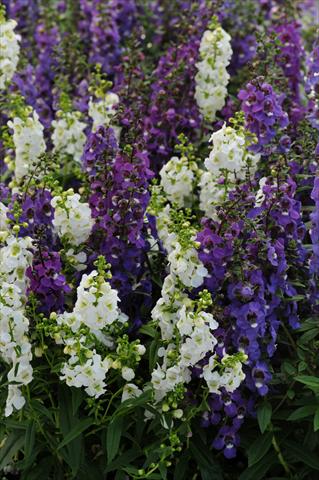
(261, 377)
(227, 440)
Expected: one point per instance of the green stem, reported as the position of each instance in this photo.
(280, 456)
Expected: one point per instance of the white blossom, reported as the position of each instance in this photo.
(15, 258)
(9, 51)
(177, 180)
(130, 390)
(97, 302)
(28, 141)
(102, 111)
(211, 195)
(212, 77)
(68, 135)
(72, 218)
(185, 264)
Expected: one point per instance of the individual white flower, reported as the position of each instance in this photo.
(15, 400)
(212, 76)
(260, 196)
(78, 260)
(9, 51)
(72, 218)
(127, 373)
(177, 180)
(3, 218)
(28, 141)
(102, 111)
(68, 135)
(130, 390)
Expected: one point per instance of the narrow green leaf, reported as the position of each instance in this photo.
(113, 437)
(29, 439)
(148, 330)
(12, 445)
(181, 467)
(259, 448)
(316, 421)
(310, 381)
(76, 431)
(205, 461)
(77, 398)
(302, 455)
(258, 470)
(264, 413)
(125, 459)
(303, 412)
(163, 471)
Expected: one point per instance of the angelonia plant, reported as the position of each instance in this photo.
(159, 239)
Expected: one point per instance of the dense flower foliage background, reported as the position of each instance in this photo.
(159, 239)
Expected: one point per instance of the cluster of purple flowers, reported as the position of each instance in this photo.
(119, 197)
(264, 115)
(253, 285)
(47, 281)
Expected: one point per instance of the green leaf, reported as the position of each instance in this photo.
(126, 459)
(316, 421)
(12, 445)
(208, 468)
(76, 431)
(309, 380)
(264, 413)
(295, 452)
(259, 448)
(163, 471)
(113, 437)
(77, 398)
(72, 454)
(181, 467)
(303, 412)
(148, 330)
(258, 470)
(29, 439)
(40, 471)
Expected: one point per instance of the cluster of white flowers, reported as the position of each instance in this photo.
(186, 328)
(230, 153)
(212, 77)
(72, 218)
(177, 180)
(15, 257)
(28, 141)
(68, 135)
(9, 50)
(96, 311)
(183, 259)
(97, 302)
(102, 111)
(211, 194)
(230, 375)
(15, 347)
(228, 160)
